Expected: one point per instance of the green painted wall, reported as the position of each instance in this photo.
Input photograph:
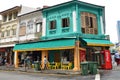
(65, 10)
(58, 14)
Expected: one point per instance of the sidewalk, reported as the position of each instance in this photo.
(49, 71)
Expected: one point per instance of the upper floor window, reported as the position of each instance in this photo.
(8, 32)
(2, 34)
(22, 24)
(15, 15)
(30, 24)
(39, 27)
(53, 24)
(13, 31)
(89, 23)
(4, 18)
(30, 28)
(10, 16)
(65, 22)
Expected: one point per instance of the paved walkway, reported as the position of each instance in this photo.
(53, 71)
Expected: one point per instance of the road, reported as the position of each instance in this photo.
(113, 74)
(110, 75)
(12, 75)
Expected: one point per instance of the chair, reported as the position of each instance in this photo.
(63, 66)
(69, 66)
(56, 66)
(49, 66)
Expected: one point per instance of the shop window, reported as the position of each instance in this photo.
(65, 22)
(53, 24)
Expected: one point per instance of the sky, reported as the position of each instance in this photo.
(112, 12)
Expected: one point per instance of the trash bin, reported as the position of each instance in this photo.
(84, 68)
(92, 67)
(37, 65)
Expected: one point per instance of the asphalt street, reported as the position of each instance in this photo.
(113, 74)
(13, 75)
(110, 75)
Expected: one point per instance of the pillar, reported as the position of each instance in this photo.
(76, 57)
(16, 61)
(44, 53)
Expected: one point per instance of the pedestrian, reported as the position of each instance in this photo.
(0, 59)
(45, 62)
(117, 57)
(27, 62)
(114, 64)
(22, 59)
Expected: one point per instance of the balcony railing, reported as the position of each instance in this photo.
(64, 30)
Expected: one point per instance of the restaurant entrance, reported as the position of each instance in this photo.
(63, 57)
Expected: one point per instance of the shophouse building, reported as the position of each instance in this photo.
(9, 31)
(29, 30)
(72, 32)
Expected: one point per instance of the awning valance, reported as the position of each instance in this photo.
(46, 45)
(96, 42)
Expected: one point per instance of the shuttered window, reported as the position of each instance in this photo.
(89, 23)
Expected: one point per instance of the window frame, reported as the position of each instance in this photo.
(39, 27)
(15, 15)
(5, 18)
(89, 23)
(13, 31)
(65, 22)
(52, 24)
(2, 34)
(10, 16)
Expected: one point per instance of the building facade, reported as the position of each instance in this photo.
(9, 29)
(83, 21)
(118, 30)
(30, 26)
(72, 32)
(29, 30)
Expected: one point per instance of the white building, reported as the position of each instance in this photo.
(30, 26)
(9, 29)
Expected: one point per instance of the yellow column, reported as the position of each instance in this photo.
(76, 57)
(44, 53)
(16, 61)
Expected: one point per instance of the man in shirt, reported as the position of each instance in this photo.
(45, 62)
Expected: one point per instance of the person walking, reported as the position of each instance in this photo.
(45, 63)
(117, 57)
